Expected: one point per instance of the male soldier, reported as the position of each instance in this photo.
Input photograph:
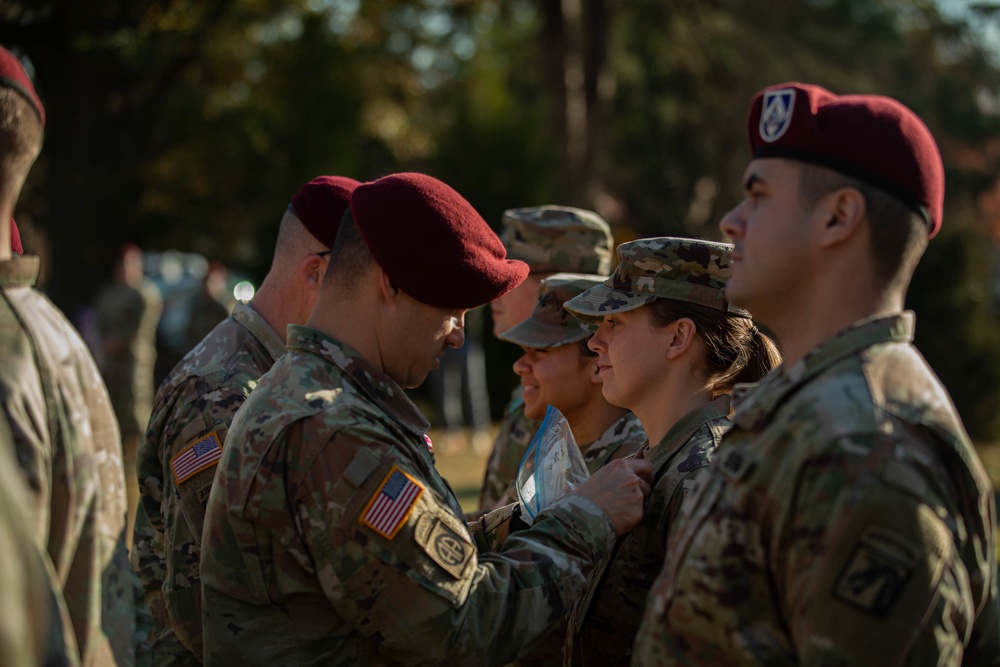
(63, 428)
(847, 519)
(128, 311)
(549, 239)
(330, 536)
(196, 404)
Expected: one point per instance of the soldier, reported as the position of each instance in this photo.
(558, 369)
(64, 430)
(849, 520)
(670, 348)
(549, 239)
(196, 403)
(330, 538)
(128, 311)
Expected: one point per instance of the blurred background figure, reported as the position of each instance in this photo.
(459, 394)
(211, 304)
(127, 312)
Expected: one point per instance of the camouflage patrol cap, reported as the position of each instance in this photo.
(550, 325)
(688, 270)
(558, 238)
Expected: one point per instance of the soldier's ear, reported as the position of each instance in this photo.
(387, 291)
(681, 334)
(842, 213)
(312, 269)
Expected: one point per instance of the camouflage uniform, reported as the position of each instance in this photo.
(129, 315)
(550, 239)
(605, 622)
(847, 520)
(32, 630)
(193, 410)
(68, 447)
(331, 539)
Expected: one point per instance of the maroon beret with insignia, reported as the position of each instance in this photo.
(15, 239)
(320, 205)
(432, 243)
(12, 75)
(871, 138)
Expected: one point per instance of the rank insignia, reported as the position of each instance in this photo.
(203, 453)
(390, 507)
(776, 113)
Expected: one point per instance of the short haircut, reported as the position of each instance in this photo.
(898, 233)
(350, 257)
(20, 136)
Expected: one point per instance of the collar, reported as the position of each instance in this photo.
(682, 431)
(19, 271)
(754, 408)
(375, 385)
(253, 322)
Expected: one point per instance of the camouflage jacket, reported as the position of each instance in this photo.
(69, 449)
(33, 628)
(605, 622)
(846, 520)
(622, 439)
(126, 322)
(513, 438)
(176, 465)
(331, 539)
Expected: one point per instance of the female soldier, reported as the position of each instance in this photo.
(670, 348)
(555, 371)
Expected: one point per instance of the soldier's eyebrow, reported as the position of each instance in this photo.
(752, 180)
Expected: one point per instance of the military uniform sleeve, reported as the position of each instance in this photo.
(873, 575)
(398, 563)
(177, 467)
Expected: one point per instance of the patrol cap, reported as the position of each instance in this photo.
(320, 205)
(688, 270)
(558, 238)
(12, 75)
(550, 325)
(15, 239)
(432, 243)
(872, 138)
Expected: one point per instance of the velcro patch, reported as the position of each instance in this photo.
(390, 507)
(200, 454)
(876, 572)
(444, 545)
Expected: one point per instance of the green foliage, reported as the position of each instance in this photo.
(190, 124)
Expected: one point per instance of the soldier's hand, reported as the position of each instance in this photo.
(619, 488)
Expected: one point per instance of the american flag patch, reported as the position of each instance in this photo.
(200, 454)
(391, 505)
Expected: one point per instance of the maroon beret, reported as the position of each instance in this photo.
(15, 239)
(432, 243)
(320, 205)
(872, 138)
(12, 75)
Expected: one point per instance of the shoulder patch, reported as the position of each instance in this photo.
(390, 507)
(876, 572)
(445, 546)
(200, 454)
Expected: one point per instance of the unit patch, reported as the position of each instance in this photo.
(445, 546)
(876, 572)
(776, 113)
(200, 454)
(392, 503)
